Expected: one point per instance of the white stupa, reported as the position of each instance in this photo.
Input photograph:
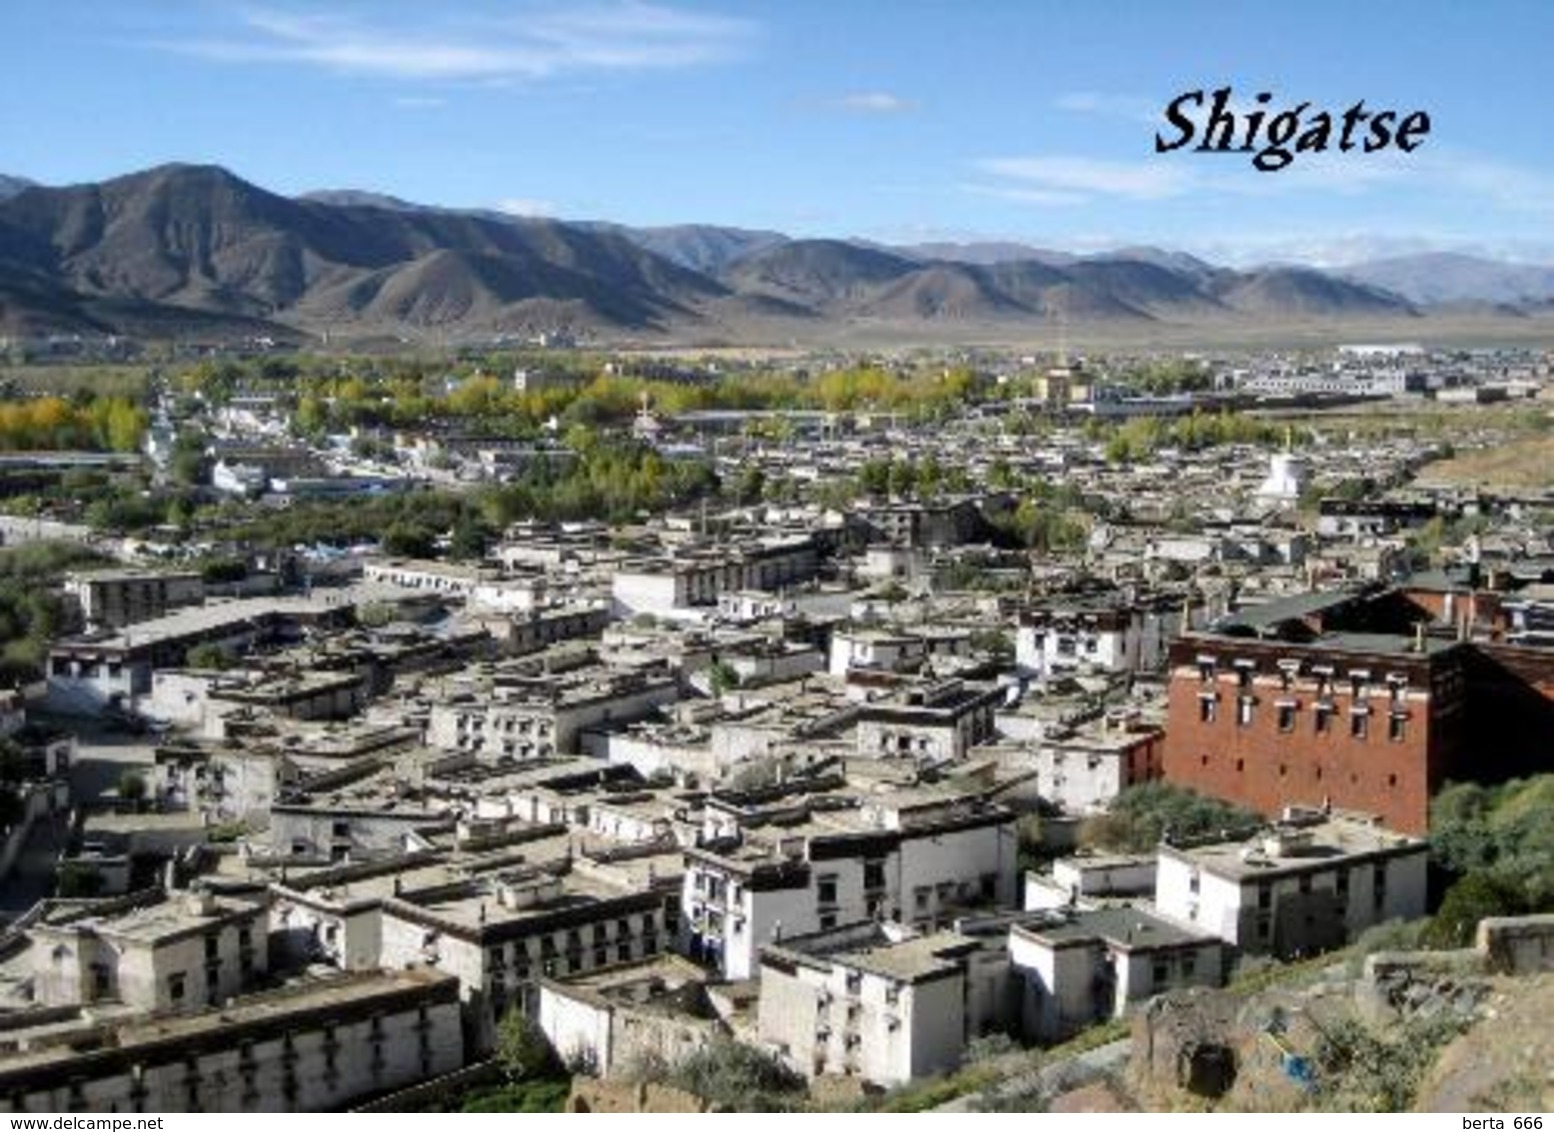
(1286, 472)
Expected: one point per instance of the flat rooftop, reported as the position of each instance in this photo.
(1122, 926)
(1304, 847)
(315, 991)
(911, 960)
(152, 923)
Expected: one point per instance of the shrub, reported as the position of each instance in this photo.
(1471, 899)
(522, 1048)
(1142, 815)
(736, 1077)
(1358, 1071)
(208, 655)
(1394, 935)
(132, 786)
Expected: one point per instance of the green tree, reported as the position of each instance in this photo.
(132, 785)
(76, 880)
(471, 539)
(722, 677)
(208, 655)
(409, 540)
(522, 1048)
(1476, 896)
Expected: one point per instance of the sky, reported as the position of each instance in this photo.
(893, 120)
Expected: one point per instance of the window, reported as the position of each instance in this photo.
(1189, 965)
(1208, 709)
(825, 888)
(1322, 719)
(1244, 711)
(827, 921)
(1264, 896)
(1305, 885)
(874, 873)
(1194, 882)
(1397, 727)
(1160, 972)
(1359, 725)
(176, 986)
(1342, 884)
(341, 829)
(1286, 717)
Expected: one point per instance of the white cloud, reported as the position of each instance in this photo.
(540, 43)
(1109, 105)
(1437, 174)
(872, 102)
(526, 206)
(1038, 178)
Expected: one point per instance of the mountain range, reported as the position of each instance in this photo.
(196, 250)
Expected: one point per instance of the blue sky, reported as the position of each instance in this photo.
(898, 121)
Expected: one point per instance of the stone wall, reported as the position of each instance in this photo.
(1517, 945)
(592, 1095)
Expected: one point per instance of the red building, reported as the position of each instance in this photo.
(1361, 721)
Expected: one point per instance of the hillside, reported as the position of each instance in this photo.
(1444, 277)
(198, 239)
(188, 249)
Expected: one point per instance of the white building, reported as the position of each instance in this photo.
(1080, 880)
(501, 932)
(316, 1047)
(1299, 888)
(112, 599)
(481, 588)
(879, 1001)
(175, 955)
(933, 723)
(543, 717)
(1081, 769)
(1076, 968)
(910, 862)
(689, 586)
(1098, 635)
(654, 1010)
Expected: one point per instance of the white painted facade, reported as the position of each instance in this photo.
(919, 876)
(1292, 904)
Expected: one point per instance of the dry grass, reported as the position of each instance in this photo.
(1528, 462)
